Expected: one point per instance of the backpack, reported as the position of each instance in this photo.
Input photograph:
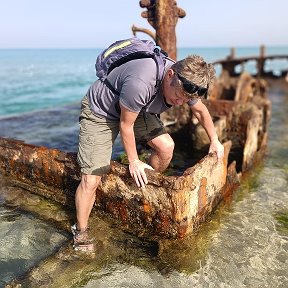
(126, 50)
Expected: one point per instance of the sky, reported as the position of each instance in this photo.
(96, 23)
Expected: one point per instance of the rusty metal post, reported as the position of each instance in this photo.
(165, 33)
(232, 53)
(163, 15)
(262, 51)
(261, 61)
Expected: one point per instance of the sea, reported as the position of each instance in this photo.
(37, 79)
(40, 94)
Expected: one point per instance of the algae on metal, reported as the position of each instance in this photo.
(282, 222)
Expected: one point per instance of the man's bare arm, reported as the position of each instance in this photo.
(136, 167)
(202, 114)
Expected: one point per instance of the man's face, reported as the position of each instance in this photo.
(173, 95)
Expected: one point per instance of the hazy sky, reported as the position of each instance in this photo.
(96, 23)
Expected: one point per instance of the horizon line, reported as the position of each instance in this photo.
(180, 47)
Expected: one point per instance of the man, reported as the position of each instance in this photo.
(134, 113)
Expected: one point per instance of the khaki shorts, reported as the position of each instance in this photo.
(97, 136)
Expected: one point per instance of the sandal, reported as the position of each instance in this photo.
(82, 241)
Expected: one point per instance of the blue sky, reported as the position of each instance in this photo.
(96, 23)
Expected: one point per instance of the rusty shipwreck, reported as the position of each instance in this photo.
(169, 206)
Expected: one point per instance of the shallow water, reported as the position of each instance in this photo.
(24, 242)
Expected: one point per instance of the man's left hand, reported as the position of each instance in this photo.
(217, 147)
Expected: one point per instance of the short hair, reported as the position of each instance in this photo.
(196, 70)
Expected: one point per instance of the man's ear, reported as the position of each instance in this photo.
(170, 73)
(169, 77)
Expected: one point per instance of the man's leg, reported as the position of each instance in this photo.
(163, 147)
(85, 198)
(150, 130)
(96, 137)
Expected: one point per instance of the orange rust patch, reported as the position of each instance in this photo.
(146, 208)
(202, 194)
(123, 212)
(183, 227)
(163, 223)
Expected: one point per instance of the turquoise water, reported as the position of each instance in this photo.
(39, 79)
(35, 79)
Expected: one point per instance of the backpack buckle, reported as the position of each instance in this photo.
(157, 50)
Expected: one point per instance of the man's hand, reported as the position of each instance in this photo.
(136, 168)
(217, 147)
(202, 114)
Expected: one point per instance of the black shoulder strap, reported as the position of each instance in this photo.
(160, 62)
(111, 87)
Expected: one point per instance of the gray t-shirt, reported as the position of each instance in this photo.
(135, 80)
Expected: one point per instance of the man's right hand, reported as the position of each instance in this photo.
(137, 171)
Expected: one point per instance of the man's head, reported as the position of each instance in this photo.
(188, 78)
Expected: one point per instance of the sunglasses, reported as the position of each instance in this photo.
(192, 88)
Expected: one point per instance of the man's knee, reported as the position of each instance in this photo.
(90, 183)
(168, 147)
(163, 144)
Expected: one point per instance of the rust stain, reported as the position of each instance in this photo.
(123, 212)
(202, 194)
(165, 26)
(162, 223)
(183, 228)
(146, 207)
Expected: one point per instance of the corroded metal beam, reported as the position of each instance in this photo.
(147, 31)
(229, 64)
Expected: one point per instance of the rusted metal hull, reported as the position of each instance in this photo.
(169, 205)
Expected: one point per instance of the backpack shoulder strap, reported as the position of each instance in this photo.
(160, 59)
